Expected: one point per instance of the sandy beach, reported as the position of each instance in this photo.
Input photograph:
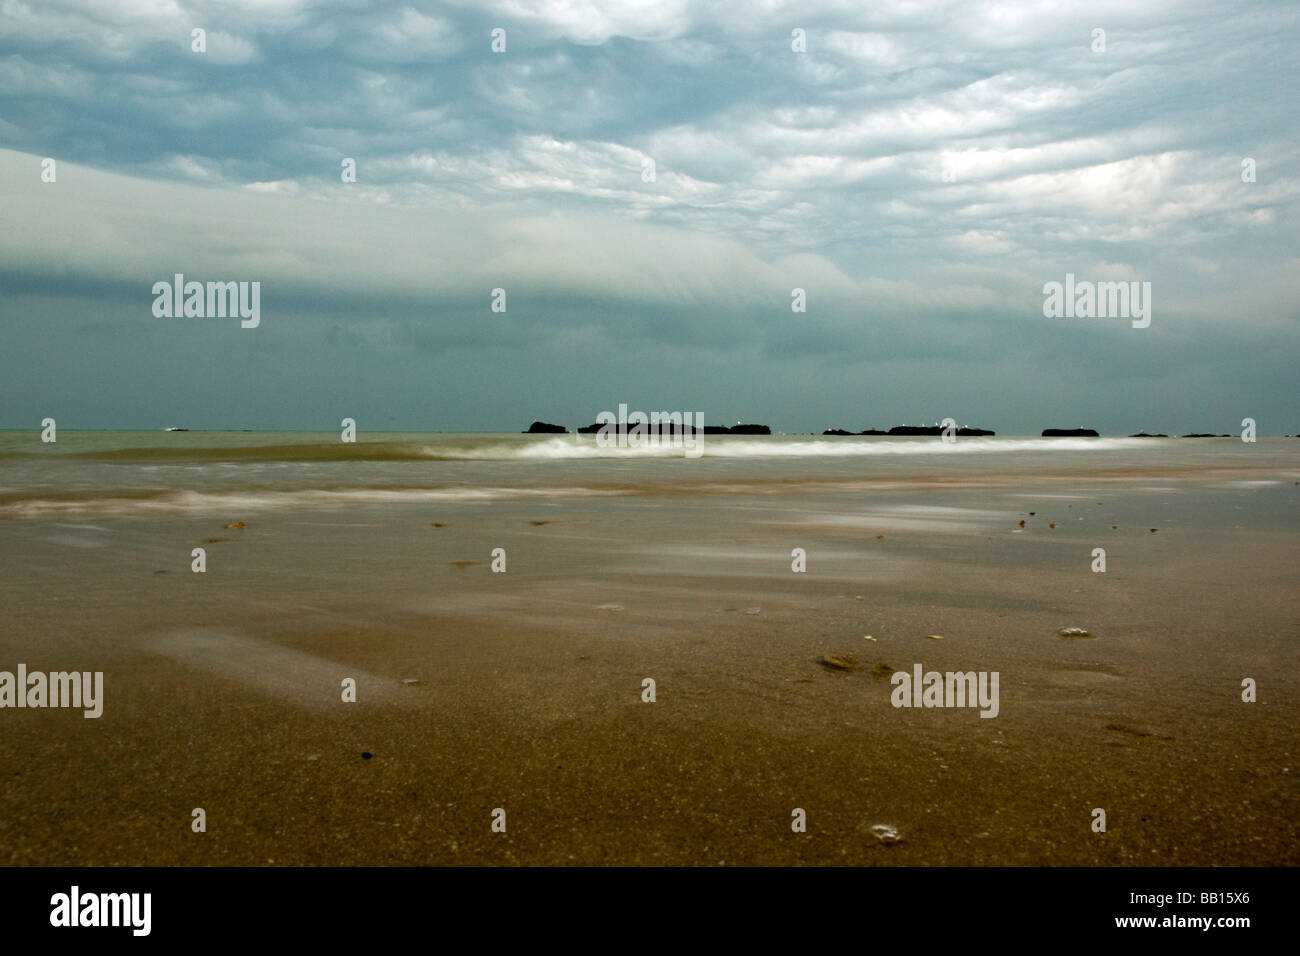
(522, 690)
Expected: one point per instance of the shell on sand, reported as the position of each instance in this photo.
(885, 833)
(935, 637)
(839, 662)
(1073, 632)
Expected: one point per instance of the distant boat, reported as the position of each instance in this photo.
(176, 428)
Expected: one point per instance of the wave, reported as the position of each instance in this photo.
(723, 447)
(571, 447)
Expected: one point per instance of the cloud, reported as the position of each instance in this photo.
(921, 171)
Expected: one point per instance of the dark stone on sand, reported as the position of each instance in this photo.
(366, 755)
(1070, 433)
(545, 428)
(838, 662)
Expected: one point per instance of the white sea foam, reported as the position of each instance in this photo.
(725, 446)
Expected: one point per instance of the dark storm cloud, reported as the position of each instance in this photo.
(822, 170)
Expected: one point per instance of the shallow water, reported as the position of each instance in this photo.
(88, 474)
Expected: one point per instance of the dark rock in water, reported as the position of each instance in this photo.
(872, 431)
(836, 431)
(662, 428)
(963, 431)
(1145, 435)
(545, 428)
(1070, 433)
(672, 428)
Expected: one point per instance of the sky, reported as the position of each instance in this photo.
(648, 183)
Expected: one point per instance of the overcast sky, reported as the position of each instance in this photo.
(921, 171)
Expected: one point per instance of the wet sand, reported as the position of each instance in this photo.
(222, 688)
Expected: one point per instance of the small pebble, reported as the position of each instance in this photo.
(366, 755)
(1073, 632)
(935, 637)
(868, 637)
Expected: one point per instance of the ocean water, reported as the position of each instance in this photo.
(108, 473)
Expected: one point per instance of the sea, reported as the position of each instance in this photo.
(123, 473)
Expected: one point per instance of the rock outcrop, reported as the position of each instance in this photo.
(545, 428)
